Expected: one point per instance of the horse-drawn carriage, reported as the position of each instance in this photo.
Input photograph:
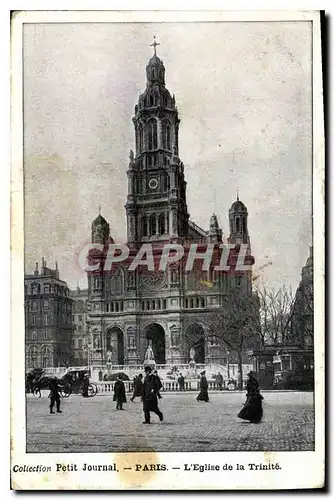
(74, 381)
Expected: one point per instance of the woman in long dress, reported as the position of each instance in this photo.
(252, 409)
(203, 394)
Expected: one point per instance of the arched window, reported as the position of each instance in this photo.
(166, 182)
(162, 224)
(33, 355)
(144, 224)
(151, 99)
(244, 225)
(152, 224)
(166, 133)
(46, 356)
(141, 136)
(152, 134)
(237, 224)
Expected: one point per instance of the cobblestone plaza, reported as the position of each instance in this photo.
(94, 425)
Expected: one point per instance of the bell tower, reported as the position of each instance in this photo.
(156, 203)
(238, 224)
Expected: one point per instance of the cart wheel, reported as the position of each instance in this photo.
(92, 390)
(65, 391)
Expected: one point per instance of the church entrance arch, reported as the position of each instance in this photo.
(155, 337)
(195, 337)
(115, 345)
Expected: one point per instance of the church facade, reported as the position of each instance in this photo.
(128, 310)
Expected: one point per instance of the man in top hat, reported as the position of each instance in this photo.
(203, 394)
(150, 391)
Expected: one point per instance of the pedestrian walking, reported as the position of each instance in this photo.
(138, 387)
(86, 383)
(150, 391)
(119, 393)
(219, 381)
(54, 395)
(203, 394)
(159, 384)
(253, 408)
(181, 382)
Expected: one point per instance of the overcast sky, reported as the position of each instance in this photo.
(243, 91)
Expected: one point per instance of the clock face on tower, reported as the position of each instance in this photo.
(153, 183)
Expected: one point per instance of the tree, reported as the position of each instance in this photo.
(275, 312)
(235, 324)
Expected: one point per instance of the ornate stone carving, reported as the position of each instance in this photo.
(175, 335)
(153, 280)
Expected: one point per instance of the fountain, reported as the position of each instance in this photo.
(149, 358)
(191, 374)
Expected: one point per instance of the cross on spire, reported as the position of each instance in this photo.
(237, 194)
(99, 209)
(154, 45)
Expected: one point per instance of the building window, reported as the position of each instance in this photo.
(34, 305)
(152, 224)
(33, 319)
(162, 224)
(237, 224)
(166, 182)
(80, 317)
(144, 226)
(152, 134)
(140, 134)
(46, 319)
(46, 356)
(80, 343)
(33, 335)
(166, 133)
(238, 281)
(45, 304)
(46, 288)
(33, 357)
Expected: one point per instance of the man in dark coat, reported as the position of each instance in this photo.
(54, 395)
(181, 382)
(86, 383)
(219, 380)
(159, 384)
(203, 394)
(138, 387)
(150, 390)
(119, 393)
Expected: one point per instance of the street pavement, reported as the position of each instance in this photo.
(94, 424)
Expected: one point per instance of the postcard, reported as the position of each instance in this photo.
(167, 250)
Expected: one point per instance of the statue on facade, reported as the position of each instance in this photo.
(149, 354)
(96, 342)
(109, 356)
(131, 155)
(192, 354)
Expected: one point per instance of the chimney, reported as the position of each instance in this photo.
(36, 269)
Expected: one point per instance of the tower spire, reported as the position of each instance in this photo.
(154, 45)
(237, 195)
